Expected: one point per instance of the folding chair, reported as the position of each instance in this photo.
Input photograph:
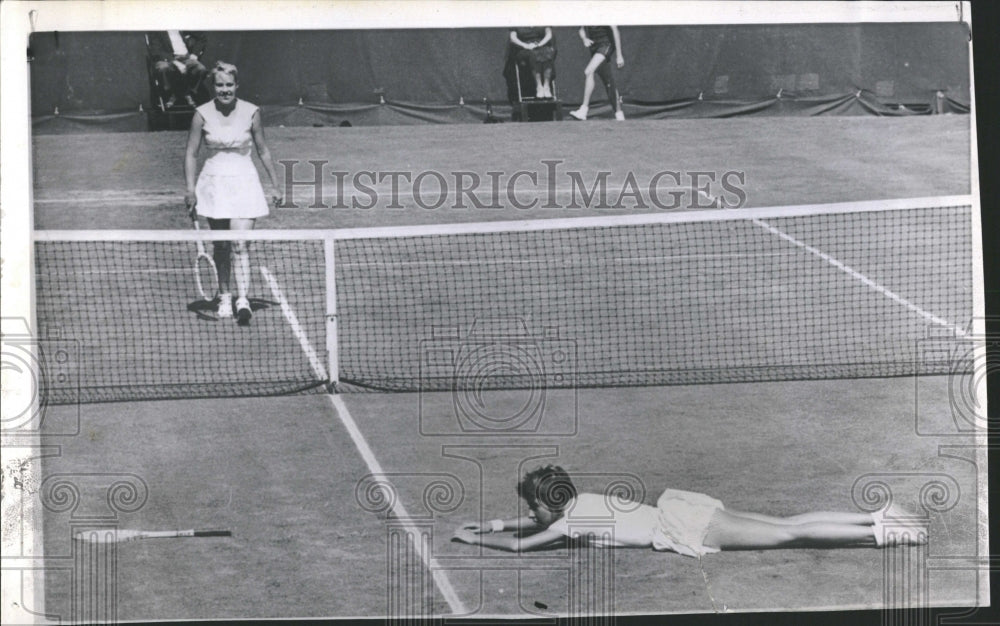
(159, 116)
(156, 90)
(535, 109)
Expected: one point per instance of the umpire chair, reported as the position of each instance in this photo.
(159, 116)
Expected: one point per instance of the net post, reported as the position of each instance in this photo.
(333, 367)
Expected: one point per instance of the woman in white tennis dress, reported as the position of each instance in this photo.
(228, 191)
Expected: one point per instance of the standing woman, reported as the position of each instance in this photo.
(228, 191)
(603, 41)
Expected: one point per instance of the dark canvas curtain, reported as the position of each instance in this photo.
(423, 73)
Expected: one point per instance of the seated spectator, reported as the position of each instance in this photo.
(535, 50)
(176, 60)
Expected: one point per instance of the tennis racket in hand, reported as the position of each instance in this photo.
(276, 198)
(122, 536)
(206, 276)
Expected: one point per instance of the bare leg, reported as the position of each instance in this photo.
(732, 532)
(221, 254)
(588, 81)
(606, 73)
(241, 269)
(539, 86)
(859, 519)
(241, 258)
(588, 86)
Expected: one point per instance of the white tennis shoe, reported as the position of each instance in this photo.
(580, 114)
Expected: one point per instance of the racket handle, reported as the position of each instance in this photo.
(213, 533)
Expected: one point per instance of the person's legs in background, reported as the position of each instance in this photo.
(165, 74)
(607, 75)
(588, 85)
(195, 73)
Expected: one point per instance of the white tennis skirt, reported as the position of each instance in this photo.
(231, 191)
(684, 521)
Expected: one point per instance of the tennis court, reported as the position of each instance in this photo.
(714, 302)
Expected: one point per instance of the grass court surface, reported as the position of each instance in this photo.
(283, 473)
(136, 180)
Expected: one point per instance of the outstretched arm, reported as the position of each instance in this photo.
(509, 543)
(498, 525)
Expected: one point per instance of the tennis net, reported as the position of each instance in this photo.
(845, 290)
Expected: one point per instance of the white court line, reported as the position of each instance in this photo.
(398, 510)
(293, 321)
(863, 279)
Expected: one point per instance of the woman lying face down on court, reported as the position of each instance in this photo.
(685, 522)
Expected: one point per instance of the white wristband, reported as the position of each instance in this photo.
(496, 525)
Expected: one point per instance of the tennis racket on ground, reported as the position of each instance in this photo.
(121, 536)
(206, 276)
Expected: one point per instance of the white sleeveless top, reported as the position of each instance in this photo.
(609, 522)
(228, 185)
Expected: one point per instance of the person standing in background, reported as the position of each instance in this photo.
(603, 42)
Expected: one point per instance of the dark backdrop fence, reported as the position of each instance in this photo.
(101, 79)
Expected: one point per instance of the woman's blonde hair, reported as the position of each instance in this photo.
(221, 67)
